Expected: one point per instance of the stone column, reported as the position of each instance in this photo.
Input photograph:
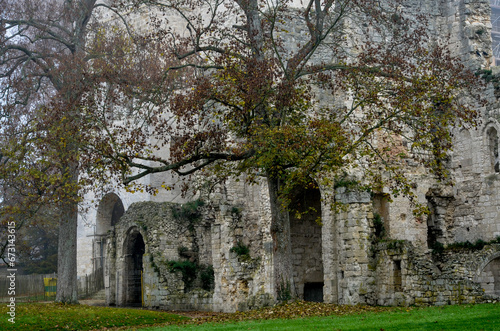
(354, 225)
(329, 237)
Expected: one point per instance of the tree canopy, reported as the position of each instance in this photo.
(293, 92)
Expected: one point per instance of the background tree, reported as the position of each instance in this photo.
(295, 96)
(41, 60)
(51, 53)
(35, 225)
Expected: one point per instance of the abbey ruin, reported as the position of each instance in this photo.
(215, 251)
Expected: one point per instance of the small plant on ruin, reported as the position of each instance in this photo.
(478, 245)
(182, 250)
(241, 250)
(188, 270)
(345, 181)
(236, 211)
(189, 212)
(207, 278)
(154, 265)
(378, 225)
(284, 291)
(437, 248)
(395, 244)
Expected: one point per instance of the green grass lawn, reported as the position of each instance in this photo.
(469, 317)
(51, 316)
(293, 316)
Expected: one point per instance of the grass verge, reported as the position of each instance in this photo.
(466, 317)
(52, 316)
(293, 316)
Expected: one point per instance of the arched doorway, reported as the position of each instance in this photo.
(134, 249)
(489, 278)
(306, 240)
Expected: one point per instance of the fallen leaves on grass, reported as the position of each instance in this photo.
(296, 309)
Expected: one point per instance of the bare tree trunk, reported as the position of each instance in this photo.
(282, 252)
(67, 286)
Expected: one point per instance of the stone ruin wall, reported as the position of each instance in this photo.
(467, 210)
(406, 276)
(353, 266)
(356, 267)
(240, 282)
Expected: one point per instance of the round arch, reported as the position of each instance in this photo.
(488, 275)
(133, 251)
(109, 211)
(492, 123)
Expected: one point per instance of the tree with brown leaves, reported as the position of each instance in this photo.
(51, 56)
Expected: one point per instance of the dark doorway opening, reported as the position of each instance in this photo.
(313, 292)
(133, 257)
(306, 240)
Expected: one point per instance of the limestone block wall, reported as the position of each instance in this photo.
(205, 235)
(476, 193)
(472, 209)
(95, 211)
(402, 224)
(243, 217)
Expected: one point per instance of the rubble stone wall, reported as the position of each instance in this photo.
(450, 278)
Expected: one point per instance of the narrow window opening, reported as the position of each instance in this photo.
(397, 276)
(493, 148)
(381, 214)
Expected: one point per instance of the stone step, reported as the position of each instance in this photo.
(100, 295)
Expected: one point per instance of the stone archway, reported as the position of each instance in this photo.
(306, 240)
(109, 211)
(133, 251)
(489, 277)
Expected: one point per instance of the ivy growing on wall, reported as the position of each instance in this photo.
(378, 225)
(191, 271)
(207, 277)
(438, 248)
